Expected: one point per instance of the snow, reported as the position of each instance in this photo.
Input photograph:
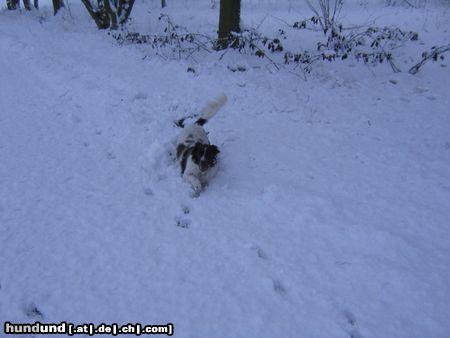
(329, 216)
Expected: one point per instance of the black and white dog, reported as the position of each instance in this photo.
(197, 157)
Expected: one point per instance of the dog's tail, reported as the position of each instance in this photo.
(211, 109)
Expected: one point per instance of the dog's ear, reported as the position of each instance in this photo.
(215, 150)
(211, 154)
(197, 152)
(212, 151)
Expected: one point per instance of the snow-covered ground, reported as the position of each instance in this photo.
(329, 217)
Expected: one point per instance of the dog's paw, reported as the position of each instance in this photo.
(196, 187)
(195, 192)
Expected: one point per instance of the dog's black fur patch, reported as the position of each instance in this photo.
(211, 154)
(181, 147)
(201, 121)
(204, 155)
(197, 152)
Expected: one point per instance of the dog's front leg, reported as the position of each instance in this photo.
(196, 184)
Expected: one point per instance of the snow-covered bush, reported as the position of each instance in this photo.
(435, 54)
(371, 45)
(327, 12)
(407, 3)
(175, 40)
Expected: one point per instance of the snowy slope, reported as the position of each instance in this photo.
(329, 217)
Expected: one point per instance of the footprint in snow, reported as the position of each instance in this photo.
(350, 324)
(349, 317)
(278, 287)
(140, 96)
(354, 334)
(259, 252)
(148, 192)
(31, 311)
(75, 119)
(110, 155)
(183, 223)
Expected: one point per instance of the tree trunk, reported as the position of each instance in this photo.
(124, 10)
(12, 4)
(57, 4)
(109, 13)
(36, 4)
(99, 16)
(112, 15)
(163, 3)
(230, 14)
(27, 5)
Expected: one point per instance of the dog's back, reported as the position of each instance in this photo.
(194, 133)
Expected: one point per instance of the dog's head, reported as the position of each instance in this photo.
(205, 155)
